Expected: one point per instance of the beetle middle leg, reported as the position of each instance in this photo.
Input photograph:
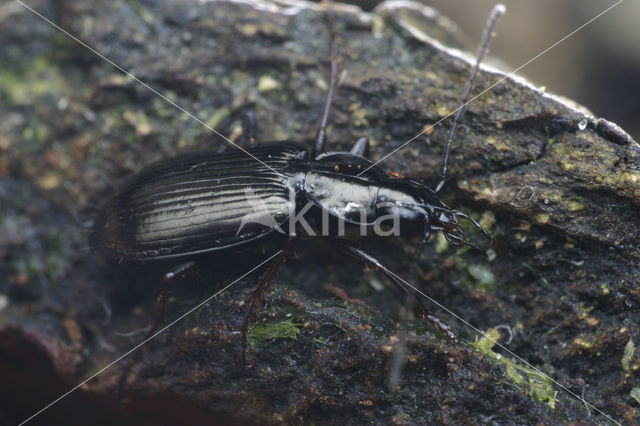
(258, 294)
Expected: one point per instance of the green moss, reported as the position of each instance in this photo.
(635, 394)
(37, 132)
(486, 342)
(627, 356)
(487, 220)
(538, 384)
(37, 79)
(560, 150)
(263, 334)
(484, 279)
(267, 83)
(443, 111)
(56, 258)
(441, 243)
(543, 218)
(217, 117)
(575, 206)
(500, 145)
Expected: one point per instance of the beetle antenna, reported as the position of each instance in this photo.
(457, 241)
(497, 11)
(321, 136)
(472, 220)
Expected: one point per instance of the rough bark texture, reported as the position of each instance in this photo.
(559, 191)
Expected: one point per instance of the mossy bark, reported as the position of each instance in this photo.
(558, 189)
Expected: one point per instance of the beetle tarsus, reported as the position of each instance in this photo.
(180, 269)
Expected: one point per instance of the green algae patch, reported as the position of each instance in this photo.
(264, 334)
(539, 385)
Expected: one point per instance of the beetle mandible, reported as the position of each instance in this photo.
(207, 202)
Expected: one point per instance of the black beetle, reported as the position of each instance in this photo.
(206, 202)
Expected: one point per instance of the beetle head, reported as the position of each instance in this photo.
(448, 223)
(437, 216)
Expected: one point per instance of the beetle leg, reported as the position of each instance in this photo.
(249, 127)
(161, 305)
(180, 269)
(476, 224)
(375, 263)
(321, 136)
(256, 298)
(457, 241)
(360, 147)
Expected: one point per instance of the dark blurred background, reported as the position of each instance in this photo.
(599, 67)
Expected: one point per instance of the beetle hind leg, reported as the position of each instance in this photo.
(256, 299)
(161, 305)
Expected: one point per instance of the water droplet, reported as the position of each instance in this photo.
(583, 124)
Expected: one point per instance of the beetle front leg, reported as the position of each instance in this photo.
(360, 254)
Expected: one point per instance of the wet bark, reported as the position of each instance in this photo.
(558, 189)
